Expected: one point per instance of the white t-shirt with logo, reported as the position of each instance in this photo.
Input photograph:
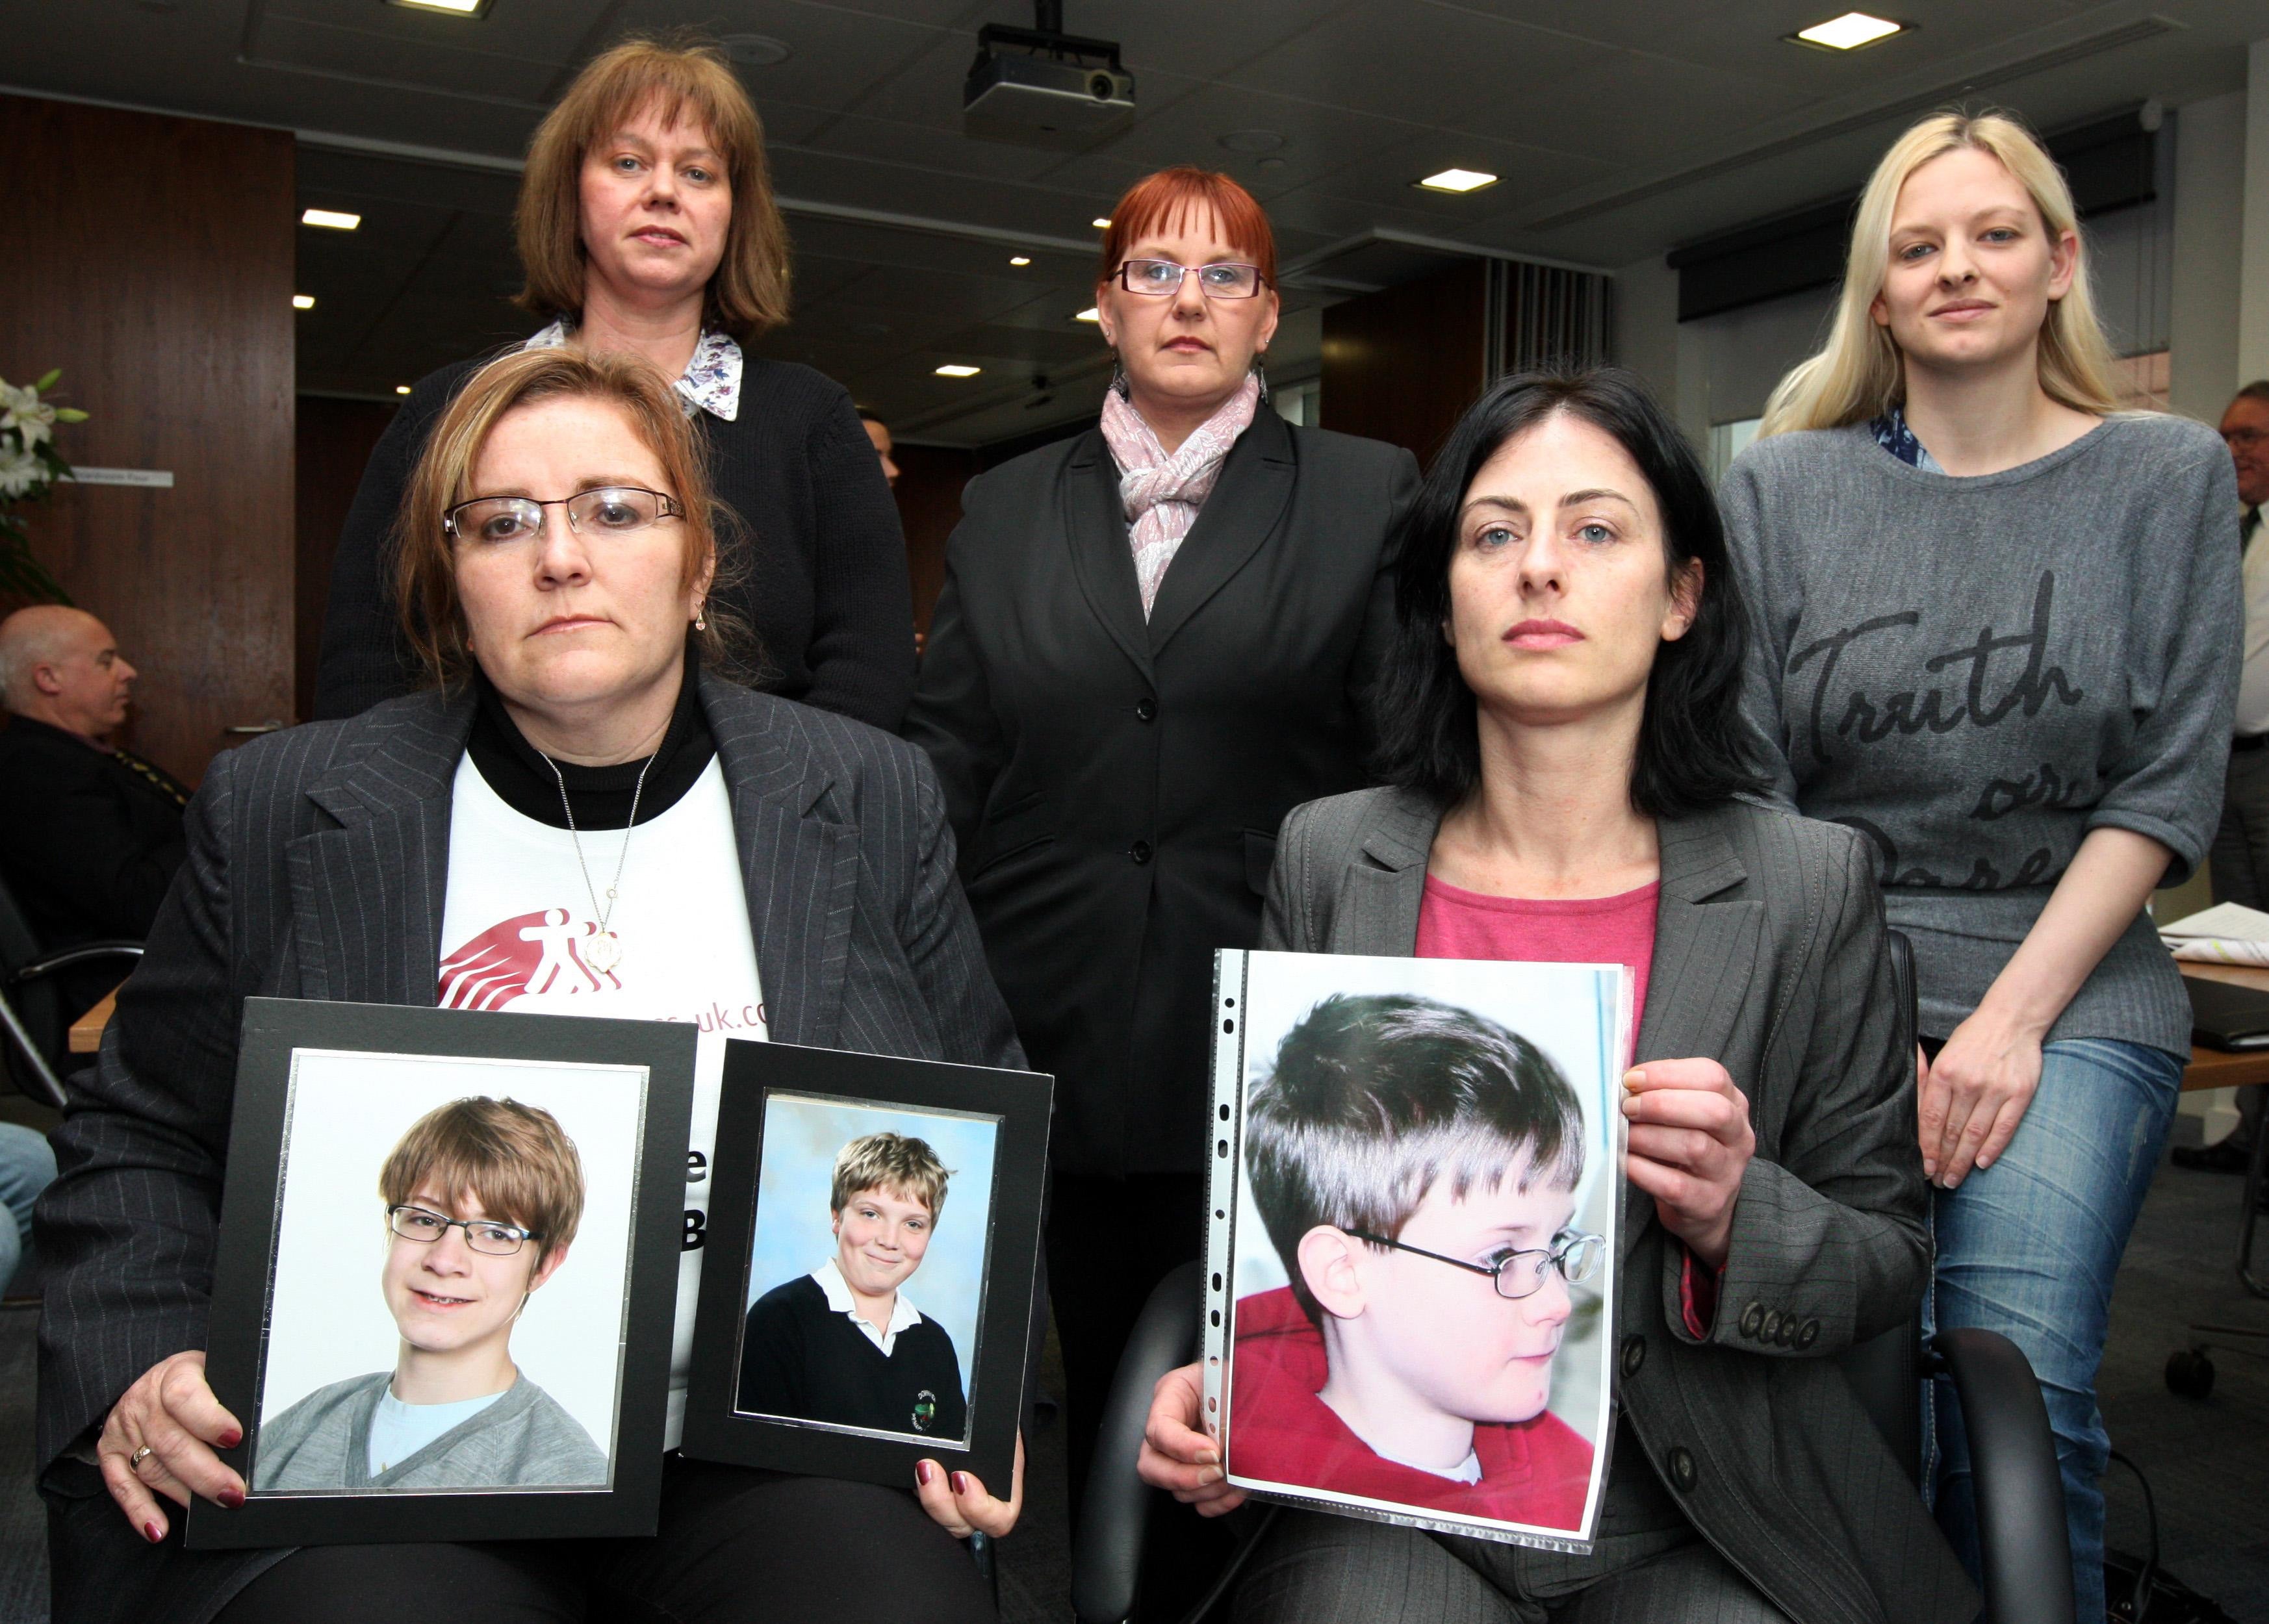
(518, 906)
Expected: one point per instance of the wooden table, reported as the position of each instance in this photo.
(86, 1031)
(2217, 1068)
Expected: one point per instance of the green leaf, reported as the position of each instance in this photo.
(48, 382)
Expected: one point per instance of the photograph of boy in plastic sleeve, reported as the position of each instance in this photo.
(1416, 1165)
(483, 1197)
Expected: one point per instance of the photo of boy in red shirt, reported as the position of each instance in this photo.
(1416, 1165)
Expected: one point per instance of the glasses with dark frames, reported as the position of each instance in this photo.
(483, 1235)
(1161, 278)
(1518, 1274)
(608, 510)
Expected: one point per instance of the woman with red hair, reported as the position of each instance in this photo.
(1149, 649)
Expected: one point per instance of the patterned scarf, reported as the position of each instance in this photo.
(1162, 494)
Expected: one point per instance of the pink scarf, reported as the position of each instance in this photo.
(1162, 494)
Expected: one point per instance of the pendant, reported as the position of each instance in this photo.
(604, 951)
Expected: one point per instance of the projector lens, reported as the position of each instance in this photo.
(1099, 85)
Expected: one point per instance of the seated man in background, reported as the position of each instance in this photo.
(27, 1166)
(90, 836)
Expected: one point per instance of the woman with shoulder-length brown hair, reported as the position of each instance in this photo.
(693, 848)
(1149, 649)
(647, 226)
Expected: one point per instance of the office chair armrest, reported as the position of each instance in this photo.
(85, 953)
(1116, 1512)
(2023, 1546)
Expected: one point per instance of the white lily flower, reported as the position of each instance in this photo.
(20, 473)
(22, 411)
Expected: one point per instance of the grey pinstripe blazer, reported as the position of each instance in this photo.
(318, 860)
(1768, 957)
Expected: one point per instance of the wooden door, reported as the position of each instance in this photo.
(150, 258)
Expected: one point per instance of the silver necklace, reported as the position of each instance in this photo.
(604, 950)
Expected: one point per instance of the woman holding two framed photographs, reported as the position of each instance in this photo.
(1560, 722)
(749, 865)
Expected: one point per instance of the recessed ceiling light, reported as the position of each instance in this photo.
(1101, 222)
(402, 388)
(1253, 141)
(1020, 259)
(756, 50)
(303, 301)
(1458, 181)
(956, 370)
(1848, 31)
(1088, 314)
(452, 8)
(336, 219)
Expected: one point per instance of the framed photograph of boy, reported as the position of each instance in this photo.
(1416, 1192)
(447, 1267)
(873, 1237)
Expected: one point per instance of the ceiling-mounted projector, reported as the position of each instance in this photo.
(1040, 86)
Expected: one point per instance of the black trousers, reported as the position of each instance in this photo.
(734, 1546)
(1109, 1242)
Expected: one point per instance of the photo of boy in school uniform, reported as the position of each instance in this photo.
(1416, 1165)
(483, 1199)
(845, 1344)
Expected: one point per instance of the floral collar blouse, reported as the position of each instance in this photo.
(711, 381)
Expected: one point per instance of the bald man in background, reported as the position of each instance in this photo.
(90, 836)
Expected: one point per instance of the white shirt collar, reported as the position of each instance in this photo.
(711, 381)
(840, 1299)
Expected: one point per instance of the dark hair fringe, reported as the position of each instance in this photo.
(1695, 750)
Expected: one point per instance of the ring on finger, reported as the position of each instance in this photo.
(134, 1462)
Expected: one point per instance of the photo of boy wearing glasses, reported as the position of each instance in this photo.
(482, 1200)
(1416, 1165)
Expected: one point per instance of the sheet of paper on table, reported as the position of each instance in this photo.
(2226, 933)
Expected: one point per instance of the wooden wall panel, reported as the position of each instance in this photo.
(930, 478)
(150, 258)
(1402, 364)
(333, 440)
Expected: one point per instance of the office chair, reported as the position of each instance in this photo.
(2025, 1554)
(37, 1029)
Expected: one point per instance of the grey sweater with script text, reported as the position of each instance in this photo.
(1976, 672)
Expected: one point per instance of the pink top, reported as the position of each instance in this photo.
(1587, 930)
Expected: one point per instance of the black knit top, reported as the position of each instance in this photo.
(825, 583)
(801, 1358)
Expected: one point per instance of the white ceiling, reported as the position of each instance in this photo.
(1620, 128)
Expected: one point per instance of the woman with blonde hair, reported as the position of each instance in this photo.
(1996, 632)
(647, 226)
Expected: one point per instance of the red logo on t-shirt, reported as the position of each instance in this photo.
(532, 953)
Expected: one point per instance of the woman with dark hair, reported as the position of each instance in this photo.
(1559, 722)
(647, 227)
(1150, 648)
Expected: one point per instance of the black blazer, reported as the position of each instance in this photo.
(1769, 958)
(825, 583)
(1117, 785)
(318, 866)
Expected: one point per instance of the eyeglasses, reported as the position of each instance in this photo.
(1161, 278)
(483, 1235)
(611, 510)
(2243, 439)
(1519, 1274)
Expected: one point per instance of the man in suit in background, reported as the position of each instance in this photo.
(90, 836)
(2240, 856)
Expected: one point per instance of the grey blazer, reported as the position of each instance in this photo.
(318, 861)
(1769, 956)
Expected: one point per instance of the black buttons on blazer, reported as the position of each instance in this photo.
(1788, 1332)
(1770, 1332)
(1808, 1335)
(1146, 709)
(1634, 1354)
(1683, 1474)
(1752, 1316)
(1139, 850)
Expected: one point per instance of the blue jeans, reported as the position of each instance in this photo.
(2030, 1248)
(27, 1167)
